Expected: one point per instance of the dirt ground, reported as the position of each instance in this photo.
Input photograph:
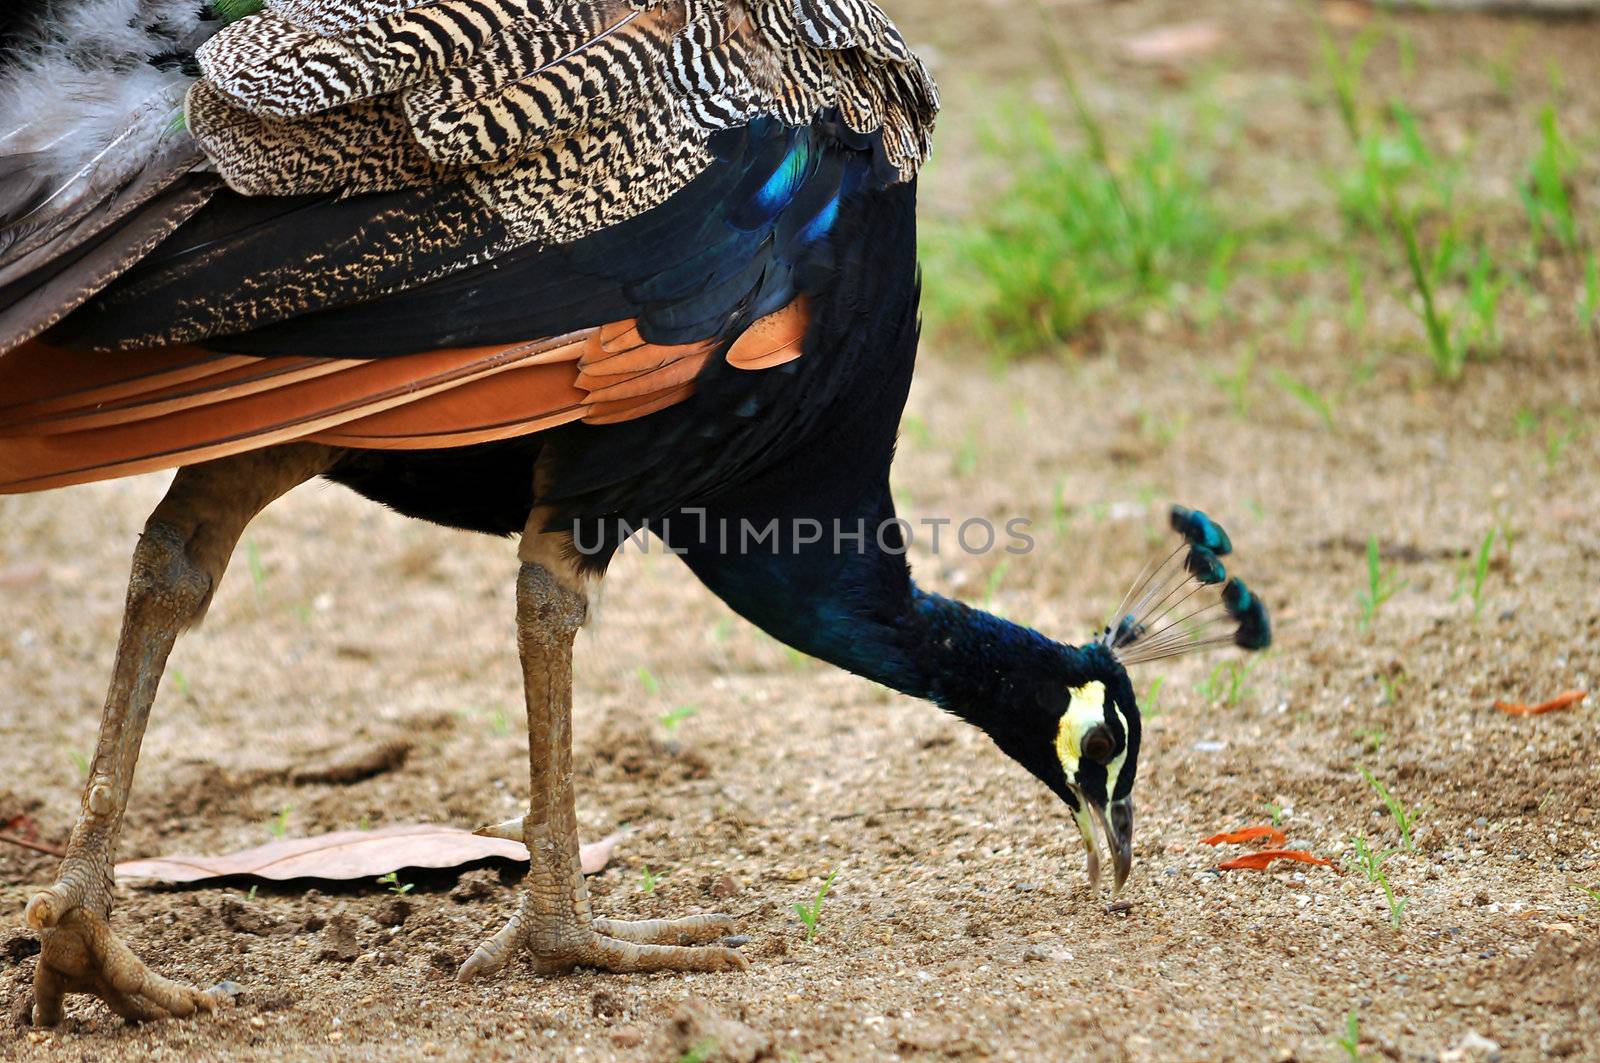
(960, 924)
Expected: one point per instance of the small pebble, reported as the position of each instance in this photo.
(393, 912)
(476, 885)
(339, 939)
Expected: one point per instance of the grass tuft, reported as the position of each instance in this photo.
(1370, 863)
(392, 883)
(1589, 302)
(1227, 684)
(1350, 1042)
(701, 1051)
(1308, 396)
(1236, 384)
(1474, 571)
(1064, 245)
(1404, 819)
(811, 914)
(671, 720)
(1079, 234)
(1381, 586)
(258, 568)
(1403, 192)
(1546, 193)
(1151, 702)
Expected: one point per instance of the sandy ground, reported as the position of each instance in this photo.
(960, 924)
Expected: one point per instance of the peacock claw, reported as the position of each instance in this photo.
(80, 954)
(615, 945)
(510, 830)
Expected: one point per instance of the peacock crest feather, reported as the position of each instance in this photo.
(1188, 601)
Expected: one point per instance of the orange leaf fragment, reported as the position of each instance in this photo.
(1259, 861)
(22, 825)
(1555, 704)
(1234, 837)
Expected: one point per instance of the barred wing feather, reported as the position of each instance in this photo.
(531, 212)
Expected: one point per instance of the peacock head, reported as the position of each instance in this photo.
(1088, 718)
(1095, 756)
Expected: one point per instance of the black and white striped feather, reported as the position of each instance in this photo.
(559, 118)
(563, 115)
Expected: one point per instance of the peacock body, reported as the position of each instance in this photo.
(564, 268)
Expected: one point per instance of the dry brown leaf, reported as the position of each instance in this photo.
(1346, 14)
(1172, 43)
(352, 764)
(352, 854)
(23, 575)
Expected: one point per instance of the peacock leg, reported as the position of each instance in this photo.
(176, 567)
(553, 919)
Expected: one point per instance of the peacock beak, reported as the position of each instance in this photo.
(1090, 846)
(1116, 828)
(1120, 840)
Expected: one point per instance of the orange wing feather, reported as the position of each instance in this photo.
(71, 417)
(775, 339)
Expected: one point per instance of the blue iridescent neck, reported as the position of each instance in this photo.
(964, 658)
(862, 612)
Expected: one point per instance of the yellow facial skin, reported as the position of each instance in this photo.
(1086, 709)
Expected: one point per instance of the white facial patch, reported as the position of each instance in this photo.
(1114, 769)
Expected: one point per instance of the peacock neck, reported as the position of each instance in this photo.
(860, 610)
(969, 661)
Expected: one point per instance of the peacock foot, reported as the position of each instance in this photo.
(619, 946)
(80, 954)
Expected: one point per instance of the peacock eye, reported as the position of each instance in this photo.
(1097, 744)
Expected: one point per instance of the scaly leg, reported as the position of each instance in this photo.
(553, 919)
(176, 567)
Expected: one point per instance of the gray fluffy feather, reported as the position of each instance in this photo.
(80, 97)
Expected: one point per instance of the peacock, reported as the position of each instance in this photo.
(556, 269)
